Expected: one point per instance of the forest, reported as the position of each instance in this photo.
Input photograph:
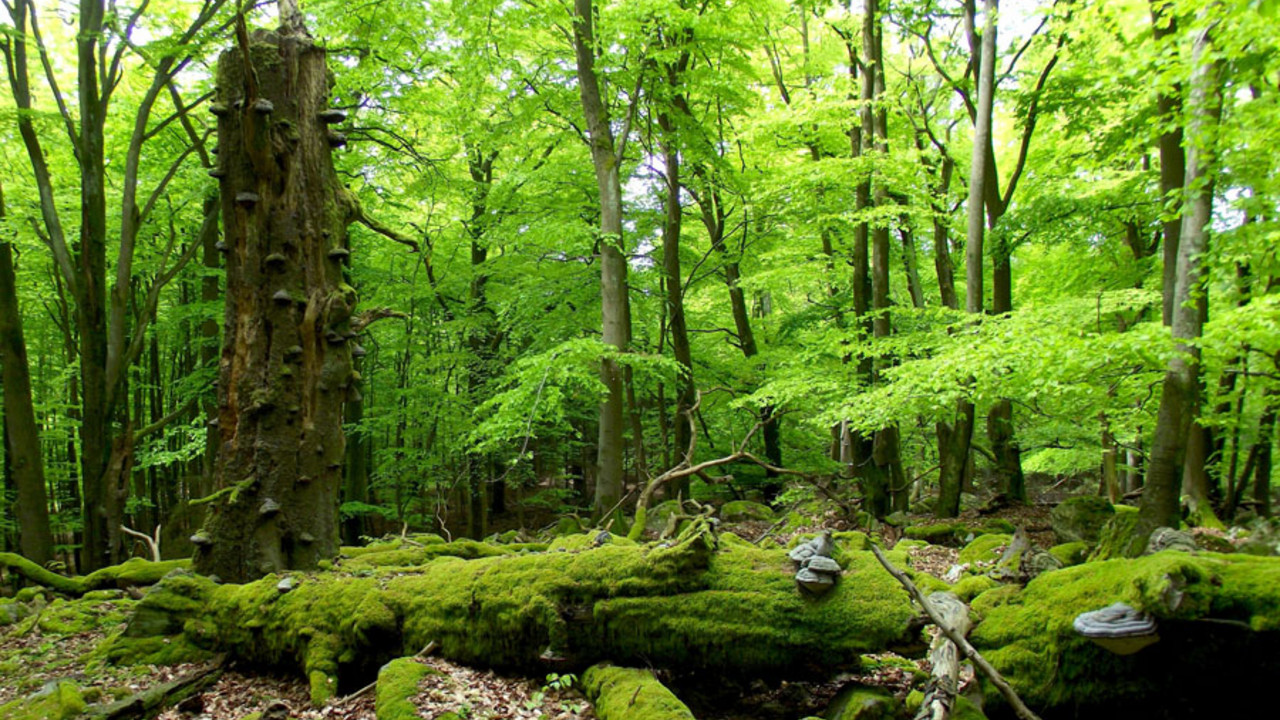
(641, 360)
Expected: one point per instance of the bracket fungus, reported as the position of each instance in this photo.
(332, 116)
(1118, 628)
(818, 571)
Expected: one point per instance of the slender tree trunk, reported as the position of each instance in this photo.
(614, 306)
(211, 261)
(1160, 505)
(286, 354)
(674, 278)
(1173, 158)
(23, 462)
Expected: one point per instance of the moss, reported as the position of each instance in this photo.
(1028, 634)
(863, 703)
(985, 549)
(129, 573)
(1121, 537)
(955, 533)
(60, 702)
(745, 511)
(322, 685)
(619, 693)
(964, 709)
(586, 541)
(1081, 519)
(395, 555)
(121, 650)
(1069, 554)
(973, 586)
(398, 683)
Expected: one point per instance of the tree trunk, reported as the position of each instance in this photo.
(614, 307)
(1160, 506)
(953, 454)
(286, 356)
(1173, 158)
(355, 486)
(21, 434)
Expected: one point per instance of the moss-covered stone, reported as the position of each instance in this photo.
(398, 683)
(1027, 634)
(1072, 553)
(1080, 519)
(62, 701)
(858, 702)
(619, 693)
(971, 587)
(985, 549)
(586, 541)
(745, 511)
(1121, 537)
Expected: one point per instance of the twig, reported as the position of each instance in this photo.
(960, 642)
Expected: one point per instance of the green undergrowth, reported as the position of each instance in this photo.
(692, 606)
(398, 683)
(1027, 633)
(619, 693)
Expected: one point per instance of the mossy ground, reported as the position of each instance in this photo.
(397, 684)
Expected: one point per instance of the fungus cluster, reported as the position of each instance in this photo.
(817, 571)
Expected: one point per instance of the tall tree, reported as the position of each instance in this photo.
(1179, 399)
(606, 158)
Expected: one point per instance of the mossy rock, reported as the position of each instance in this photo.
(619, 693)
(1081, 519)
(1121, 537)
(398, 683)
(656, 517)
(859, 702)
(398, 555)
(61, 701)
(1028, 635)
(746, 511)
(1072, 553)
(971, 587)
(567, 525)
(985, 549)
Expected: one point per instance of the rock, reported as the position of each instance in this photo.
(1166, 538)
(286, 585)
(745, 511)
(1069, 554)
(821, 545)
(896, 519)
(1080, 519)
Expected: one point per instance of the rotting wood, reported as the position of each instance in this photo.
(941, 690)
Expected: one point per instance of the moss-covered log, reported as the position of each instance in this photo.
(135, 572)
(735, 609)
(619, 693)
(1219, 627)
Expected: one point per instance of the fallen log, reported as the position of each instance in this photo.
(131, 573)
(732, 609)
(148, 703)
(618, 693)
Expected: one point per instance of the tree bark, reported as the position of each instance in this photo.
(1173, 158)
(286, 354)
(23, 461)
(1160, 499)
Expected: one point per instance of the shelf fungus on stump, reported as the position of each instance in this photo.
(1118, 628)
(818, 571)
